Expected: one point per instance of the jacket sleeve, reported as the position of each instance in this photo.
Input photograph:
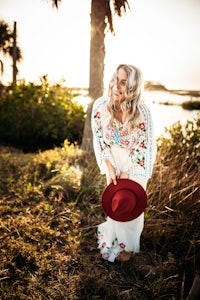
(142, 155)
(101, 149)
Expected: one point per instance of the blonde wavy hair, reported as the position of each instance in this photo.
(134, 85)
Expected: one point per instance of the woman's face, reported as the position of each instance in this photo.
(119, 87)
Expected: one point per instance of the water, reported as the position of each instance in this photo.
(163, 115)
(166, 115)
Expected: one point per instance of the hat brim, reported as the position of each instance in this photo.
(124, 184)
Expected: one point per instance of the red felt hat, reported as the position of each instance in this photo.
(124, 201)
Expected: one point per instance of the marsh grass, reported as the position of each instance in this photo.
(50, 209)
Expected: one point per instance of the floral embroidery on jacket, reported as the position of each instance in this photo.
(139, 141)
(122, 245)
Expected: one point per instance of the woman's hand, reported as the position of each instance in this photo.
(112, 177)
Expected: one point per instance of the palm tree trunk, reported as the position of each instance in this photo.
(14, 53)
(97, 55)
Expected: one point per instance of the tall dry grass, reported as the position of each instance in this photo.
(50, 209)
(173, 191)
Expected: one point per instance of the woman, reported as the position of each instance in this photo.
(125, 147)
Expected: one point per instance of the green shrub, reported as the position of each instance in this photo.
(37, 116)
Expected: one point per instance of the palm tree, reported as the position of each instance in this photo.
(102, 12)
(8, 46)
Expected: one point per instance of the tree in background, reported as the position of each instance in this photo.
(8, 46)
(102, 13)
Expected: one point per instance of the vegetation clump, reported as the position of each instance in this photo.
(40, 116)
(190, 105)
(50, 209)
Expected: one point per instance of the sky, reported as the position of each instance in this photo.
(161, 37)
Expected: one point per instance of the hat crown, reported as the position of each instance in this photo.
(123, 201)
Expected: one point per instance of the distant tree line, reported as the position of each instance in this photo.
(154, 85)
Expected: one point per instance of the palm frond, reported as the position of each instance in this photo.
(18, 54)
(56, 3)
(1, 67)
(119, 8)
(5, 34)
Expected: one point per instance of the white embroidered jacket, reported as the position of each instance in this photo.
(139, 142)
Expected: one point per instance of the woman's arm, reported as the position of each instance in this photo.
(102, 151)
